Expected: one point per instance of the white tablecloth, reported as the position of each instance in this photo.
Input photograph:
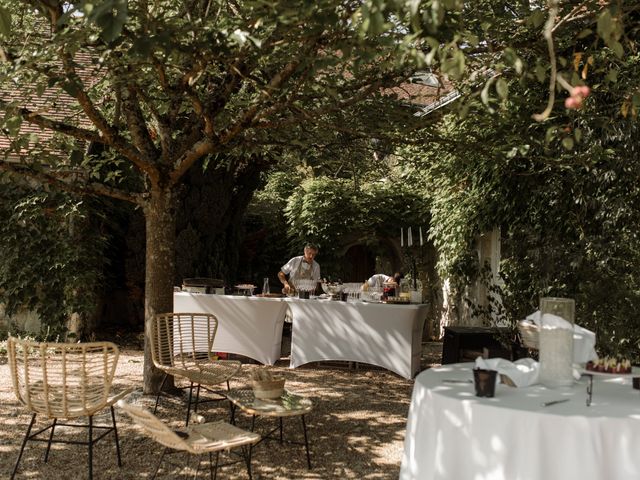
(249, 326)
(388, 336)
(454, 435)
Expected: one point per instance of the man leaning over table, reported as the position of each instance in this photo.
(379, 279)
(300, 268)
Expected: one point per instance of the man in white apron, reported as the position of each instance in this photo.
(301, 267)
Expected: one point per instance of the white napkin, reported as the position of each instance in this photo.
(548, 319)
(523, 372)
(534, 317)
(584, 341)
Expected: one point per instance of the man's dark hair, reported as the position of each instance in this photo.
(312, 246)
(398, 276)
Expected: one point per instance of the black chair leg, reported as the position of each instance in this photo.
(232, 413)
(24, 442)
(189, 404)
(90, 447)
(306, 441)
(115, 433)
(195, 408)
(246, 453)
(160, 462)
(215, 469)
(159, 392)
(53, 426)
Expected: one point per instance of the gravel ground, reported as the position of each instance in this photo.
(356, 430)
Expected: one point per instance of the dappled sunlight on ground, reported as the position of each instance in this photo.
(356, 429)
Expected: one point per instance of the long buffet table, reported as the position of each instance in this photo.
(454, 435)
(385, 335)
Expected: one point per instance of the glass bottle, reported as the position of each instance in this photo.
(265, 286)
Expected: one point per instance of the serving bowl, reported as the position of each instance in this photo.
(331, 288)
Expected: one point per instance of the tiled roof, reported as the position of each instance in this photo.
(54, 103)
(423, 90)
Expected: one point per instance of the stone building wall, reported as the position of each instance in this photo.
(24, 321)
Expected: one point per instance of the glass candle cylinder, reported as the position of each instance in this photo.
(556, 341)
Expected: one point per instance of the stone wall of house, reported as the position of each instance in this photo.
(456, 310)
(23, 321)
(28, 322)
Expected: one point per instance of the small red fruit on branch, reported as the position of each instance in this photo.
(578, 94)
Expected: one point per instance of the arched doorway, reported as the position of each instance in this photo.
(360, 263)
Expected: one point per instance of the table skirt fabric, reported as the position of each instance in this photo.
(249, 326)
(388, 336)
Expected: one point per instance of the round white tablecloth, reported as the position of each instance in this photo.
(454, 435)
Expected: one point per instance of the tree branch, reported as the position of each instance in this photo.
(137, 124)
(110, 134)
(200, 110)
(186, 160)
(30, 116)
(569, 16)
(247, 118)
(164, 128)
(548, 35)
(310, 115)
(63, 181)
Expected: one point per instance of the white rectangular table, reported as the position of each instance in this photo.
(388, 336)
(249, 326)
(454, 435)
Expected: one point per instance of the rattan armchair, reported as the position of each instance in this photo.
(197, 440)
(64, 381)
(182, 346)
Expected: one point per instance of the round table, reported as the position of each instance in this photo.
(454, 435)
(287, 405)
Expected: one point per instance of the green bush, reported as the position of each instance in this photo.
(53, 255)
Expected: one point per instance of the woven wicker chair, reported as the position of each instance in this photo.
(181, 345)
(64, 381)
(197, 440)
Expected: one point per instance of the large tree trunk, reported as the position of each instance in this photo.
(208, 239)
(160, 217)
